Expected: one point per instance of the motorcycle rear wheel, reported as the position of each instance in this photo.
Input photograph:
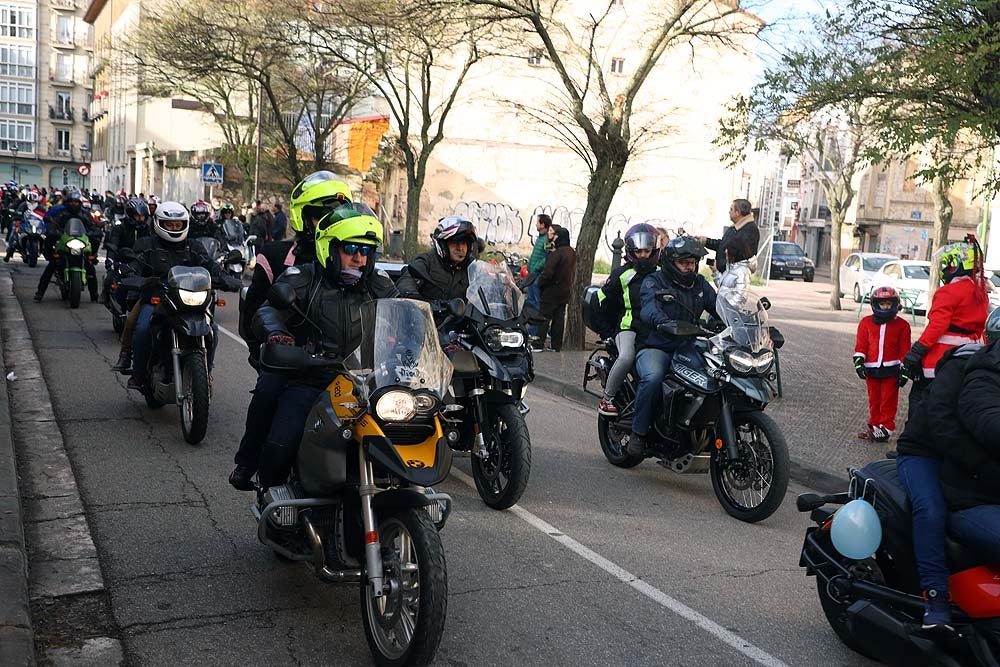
(195, 400)
(502, 476)
(836, 611)
(75, 289)
(763, 460)
(404, 627)
(615, 446)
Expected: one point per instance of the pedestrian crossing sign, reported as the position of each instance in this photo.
(211, 173)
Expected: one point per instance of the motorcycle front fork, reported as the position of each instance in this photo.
(179, 395)
(373, 547)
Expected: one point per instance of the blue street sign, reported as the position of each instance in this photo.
(211, 173)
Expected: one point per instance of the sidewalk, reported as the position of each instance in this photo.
(824, 405)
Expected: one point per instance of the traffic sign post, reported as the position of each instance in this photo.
(211, 173)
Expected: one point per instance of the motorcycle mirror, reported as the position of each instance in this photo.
(251, 239)
(457, 307)
(281, 296)
(765, 303)
(234, 256)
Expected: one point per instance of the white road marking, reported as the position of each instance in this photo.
(656, 595)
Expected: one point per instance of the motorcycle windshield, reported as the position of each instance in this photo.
(189, 278)
(75, 228)
(492, 291)
(745, 319)
(233, 231)
(399, 346)
(208, 246)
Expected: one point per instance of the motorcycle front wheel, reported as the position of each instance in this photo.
(502, 474)
(404, 626)
(194, 397)
(752, 487)
(75, 289)
(31, 253)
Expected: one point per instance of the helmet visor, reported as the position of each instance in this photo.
(173, 225)
(643, 241)
(311, 181)
(343, 212)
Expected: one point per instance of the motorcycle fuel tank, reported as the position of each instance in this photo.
(689, 367)
(977, 591)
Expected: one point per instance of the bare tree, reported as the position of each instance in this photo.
(416, 55)
(594, 120)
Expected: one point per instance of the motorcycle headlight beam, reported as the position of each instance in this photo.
(189, 298)
(740, 361)
(396, 406)
(76, 244)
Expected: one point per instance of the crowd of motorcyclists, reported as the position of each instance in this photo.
(329, 263)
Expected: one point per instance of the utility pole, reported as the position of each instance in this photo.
(256, 163)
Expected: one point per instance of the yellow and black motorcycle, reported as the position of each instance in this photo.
(359, 504)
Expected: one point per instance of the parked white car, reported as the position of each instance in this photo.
(994, 278)
(858, 270)
(906, 274)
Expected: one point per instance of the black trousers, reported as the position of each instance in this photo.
(552, 315)
(53, 266)
(260, 413)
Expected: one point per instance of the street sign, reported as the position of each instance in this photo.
(915, 215)
(83, 169)
(923, 234)
(211, 173)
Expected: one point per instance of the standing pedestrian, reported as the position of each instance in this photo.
(260, 223)
(741, 240)
(883, 340)
(555, 286)
(279, 225)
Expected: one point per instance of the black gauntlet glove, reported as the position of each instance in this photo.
(902, 377)
(667, 327)
(859, 367)
(911, 362)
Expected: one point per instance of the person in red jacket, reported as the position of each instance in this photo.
(883, 340)
(957, 315)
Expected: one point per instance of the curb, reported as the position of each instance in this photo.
(803, 473)
(63, 558)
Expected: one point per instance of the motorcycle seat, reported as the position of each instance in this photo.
(891, 501)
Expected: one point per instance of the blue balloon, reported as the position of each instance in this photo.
(856, 531)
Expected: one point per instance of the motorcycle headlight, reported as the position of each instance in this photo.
(498, 339)
(740, 361)
(396, 406)
(189, 298)
(423, 402)
(75, 246)
(763, 361)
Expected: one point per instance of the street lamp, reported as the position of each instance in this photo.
(13, 168)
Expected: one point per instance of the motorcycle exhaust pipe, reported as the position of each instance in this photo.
(319, 559)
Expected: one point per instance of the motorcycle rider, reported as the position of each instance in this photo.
(442, 272)
(949, 460)
(55, 220)
(202, 224)
(619, 299)
(678, 275)
(314, 197)
(155, 255)
(956, 316)
(330, 291)
(30, 204)
(153, 202)
(133, 227)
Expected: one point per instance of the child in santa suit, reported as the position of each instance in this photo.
(883, 340)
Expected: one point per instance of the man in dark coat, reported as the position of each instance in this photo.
(555, 286)
(741, 240)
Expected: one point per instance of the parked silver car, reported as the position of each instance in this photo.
(858, 270)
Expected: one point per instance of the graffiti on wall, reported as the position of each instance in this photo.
(498, 223)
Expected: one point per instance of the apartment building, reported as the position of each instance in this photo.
(45, 52)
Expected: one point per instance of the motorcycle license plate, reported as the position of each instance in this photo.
(795, 272)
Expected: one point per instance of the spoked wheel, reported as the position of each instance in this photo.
(194, 397)
(501, 473)
(613, 437)
(752, 487)
(404, 626)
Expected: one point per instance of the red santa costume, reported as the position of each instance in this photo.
(881, 347)
(957, 316)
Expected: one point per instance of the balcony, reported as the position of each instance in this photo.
(61, 80)
(60, 114)
(85, 115)
(63, 4)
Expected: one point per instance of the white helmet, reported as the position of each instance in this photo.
(171, 222)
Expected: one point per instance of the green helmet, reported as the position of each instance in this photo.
(320, 189)
(349, 223)
(955, 260)
(992, 332)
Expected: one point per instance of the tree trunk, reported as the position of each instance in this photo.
(943, 212)
(836, 224)
(414, 187)
(600, 192)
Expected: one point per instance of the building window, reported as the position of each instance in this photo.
(17, 135)
(617, 65)
(62, 142)
(64, 29)
(64, 67)
(535, 57)
(17, 21)
(64, 107)
(17, 61)
(17, 98)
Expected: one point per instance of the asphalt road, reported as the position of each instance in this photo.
(596, 566)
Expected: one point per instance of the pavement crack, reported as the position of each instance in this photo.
(206, 620)
(521, 587)
(743, 574)
(290, 646)
(121, 507)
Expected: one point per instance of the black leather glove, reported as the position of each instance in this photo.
(902, 377)
(911, 362)
(859, 367)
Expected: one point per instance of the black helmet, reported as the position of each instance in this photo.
(678, 248)
(992, 332)
(455, 228)
(134, 208)
(201, 213)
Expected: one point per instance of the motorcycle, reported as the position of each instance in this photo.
(359, 504)
(73, 250)
(29, 237)
(493, 367)
(875, 605)
(181, 333)
(238, 244)
(712, 417)
(212, 248)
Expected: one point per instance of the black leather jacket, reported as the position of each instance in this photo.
(122, 236)
(335, 310)
(155, 257)
(429, 277)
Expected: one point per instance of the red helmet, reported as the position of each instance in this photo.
(880, 294)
